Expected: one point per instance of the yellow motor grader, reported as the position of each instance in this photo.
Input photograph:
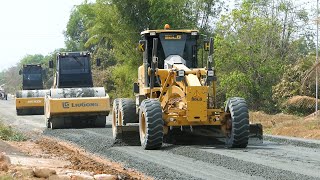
(30, 100)
(172, 93)
(73, 101)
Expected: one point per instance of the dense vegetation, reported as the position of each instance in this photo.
(263, 48)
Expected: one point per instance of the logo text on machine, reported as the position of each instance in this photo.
(68, 105)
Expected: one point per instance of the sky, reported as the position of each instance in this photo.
(32, 27)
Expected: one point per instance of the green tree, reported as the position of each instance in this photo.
(253, 45)
(111, 30)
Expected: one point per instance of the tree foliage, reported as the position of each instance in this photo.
(254, 44)
(111, 30)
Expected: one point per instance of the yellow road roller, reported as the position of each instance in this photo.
(30, 100)
(73, 101)
(174, 94)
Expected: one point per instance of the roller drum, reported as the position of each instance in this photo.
(77, 92)
(32, 93)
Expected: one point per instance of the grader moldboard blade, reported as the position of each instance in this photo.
(127, 135)
(256, 134)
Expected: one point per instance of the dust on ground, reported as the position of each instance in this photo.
(288, 125)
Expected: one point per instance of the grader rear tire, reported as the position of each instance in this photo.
(238, 123)
(115, 109)
(151, 124)
(127, 111)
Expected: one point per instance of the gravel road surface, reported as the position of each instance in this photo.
(205, 159)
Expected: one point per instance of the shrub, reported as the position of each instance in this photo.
(8, 134)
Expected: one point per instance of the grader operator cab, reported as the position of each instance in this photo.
(30, 100)
(173, 94)
(73, 101)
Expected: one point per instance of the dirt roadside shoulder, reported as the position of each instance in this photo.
(60, 160)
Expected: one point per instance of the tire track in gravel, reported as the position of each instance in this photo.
(246, 167)
(195, 162)
(159, 164)
(294, 159)
(99, 141)
(186, 165)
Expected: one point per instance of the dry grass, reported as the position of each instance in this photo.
(288, 125)
(301, 105)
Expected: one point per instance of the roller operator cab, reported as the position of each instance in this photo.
(30, 100)
(32, 77)
(173, 95)
(73, 101)
(73, 70)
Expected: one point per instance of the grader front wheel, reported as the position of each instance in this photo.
(151, 124)
(238, 123)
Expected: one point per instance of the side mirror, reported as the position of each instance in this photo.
(98, 62)
(50, 64)
(206, 45)
(20, 72)
(142, 46)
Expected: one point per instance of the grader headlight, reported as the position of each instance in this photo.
(180, 75)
